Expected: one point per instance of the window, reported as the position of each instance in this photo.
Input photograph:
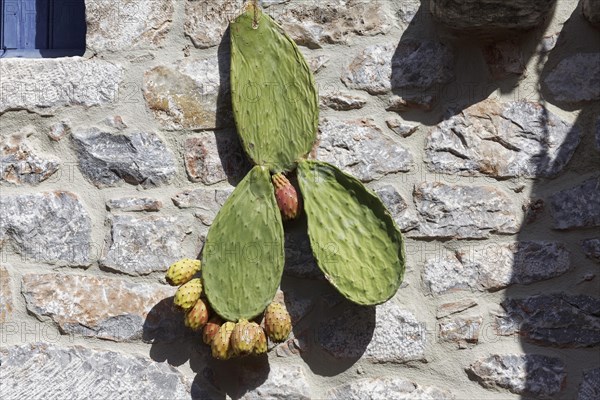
(42, 28)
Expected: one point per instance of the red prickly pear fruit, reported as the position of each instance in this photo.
(278, 323)
(287, 197)
(211, 329)
(197, 317)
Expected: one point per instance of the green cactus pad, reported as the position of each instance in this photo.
(354, 239)
(275, 101)
(243, 253)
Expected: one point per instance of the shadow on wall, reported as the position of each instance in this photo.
(441, 88)
(551, 301)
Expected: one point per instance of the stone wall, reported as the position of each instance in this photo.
(486, 152)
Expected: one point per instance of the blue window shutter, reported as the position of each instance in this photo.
(43, 24)
(25, 24)
(11, 17)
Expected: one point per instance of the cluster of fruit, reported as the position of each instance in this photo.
(226, 339)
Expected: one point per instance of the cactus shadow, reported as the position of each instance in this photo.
(233, 379)
(231, 153)
(468, 86)
(339, 336)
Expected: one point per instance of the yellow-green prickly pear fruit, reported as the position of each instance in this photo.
(278, 323)
(243, 337)
(187, 295)
(197, 317)
(220, 347)
(182, 271)
(211, 329)
(260, 346)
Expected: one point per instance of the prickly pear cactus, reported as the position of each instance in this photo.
(275, 102)
(243, 254)
(354, 239)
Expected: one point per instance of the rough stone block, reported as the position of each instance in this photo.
(360, 148)
(50, 227)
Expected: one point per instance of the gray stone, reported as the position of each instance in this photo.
(504, 59)
(412, 64)
(144, 244)
(75, 372)
(589, 389)
(502, 140)
(116, 121)
(207, 21)
(559, 319)
(313, 24)
(373, 333)
(463, 212)
(213, 157)
(207, 202)
(297, 305)
(104, 308)
(6, 302)
(405, 103)
(184, 95)
(317, 63)
(454, 307)
(460, 330)
(405, 218)
(576, 78)
(401, 128)
(491, 16)
(525, 374)
(59, 130)
(495, 266)
(360, 148)
(277, 382)
(591, 10)
(597, 133)
(132, 25)
(370, 70)
(22, 165)
(134, 204)
(591, 248)
(407, 10)
(421, 64)
(138, 159)
(578, 206)
(386, 389)
(343, 102)
(50, 227)
(45, 84)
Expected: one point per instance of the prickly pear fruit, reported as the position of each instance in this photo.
(243, 337)
(220, 347)
(188, 294)
(197, 317)
(211, 329)
(278, 323)
(260, 347)
(182, 271)
(286, 196)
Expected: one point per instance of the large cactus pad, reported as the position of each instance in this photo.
(275, 102)
(243, 254)
(354, 239)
